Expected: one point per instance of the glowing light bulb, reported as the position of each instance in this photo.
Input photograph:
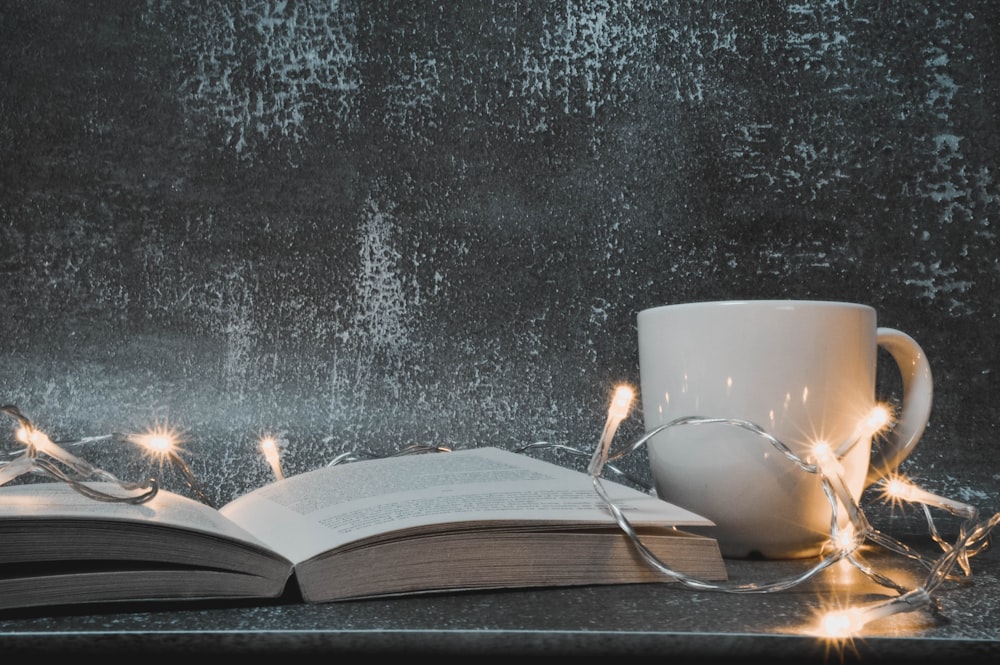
(878, 419)
(160, 442)
(621, 404)
(840, 624)
(36, 438)
(269, 447)
(846, 539)
(898, 489)
(164, 444)
(826, 459)
(41, 443)
(846, 623)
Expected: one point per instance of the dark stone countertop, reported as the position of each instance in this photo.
(649, 620)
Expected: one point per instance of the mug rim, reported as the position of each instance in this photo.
(767, 303)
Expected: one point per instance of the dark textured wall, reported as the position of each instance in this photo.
(370, 224)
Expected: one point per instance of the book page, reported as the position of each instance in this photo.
(59, 500)
(305, 515)
(58, 546)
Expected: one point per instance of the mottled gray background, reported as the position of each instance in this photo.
(366, 224)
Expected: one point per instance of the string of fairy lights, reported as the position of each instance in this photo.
(40, 456)
(974, 535)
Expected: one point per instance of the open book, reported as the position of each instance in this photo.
(482, 518)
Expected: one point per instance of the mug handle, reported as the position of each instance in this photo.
(918, 391)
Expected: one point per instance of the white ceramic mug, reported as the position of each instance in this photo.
(802, 371)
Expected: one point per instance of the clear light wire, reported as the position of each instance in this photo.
(973, 537)
(43, 457)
